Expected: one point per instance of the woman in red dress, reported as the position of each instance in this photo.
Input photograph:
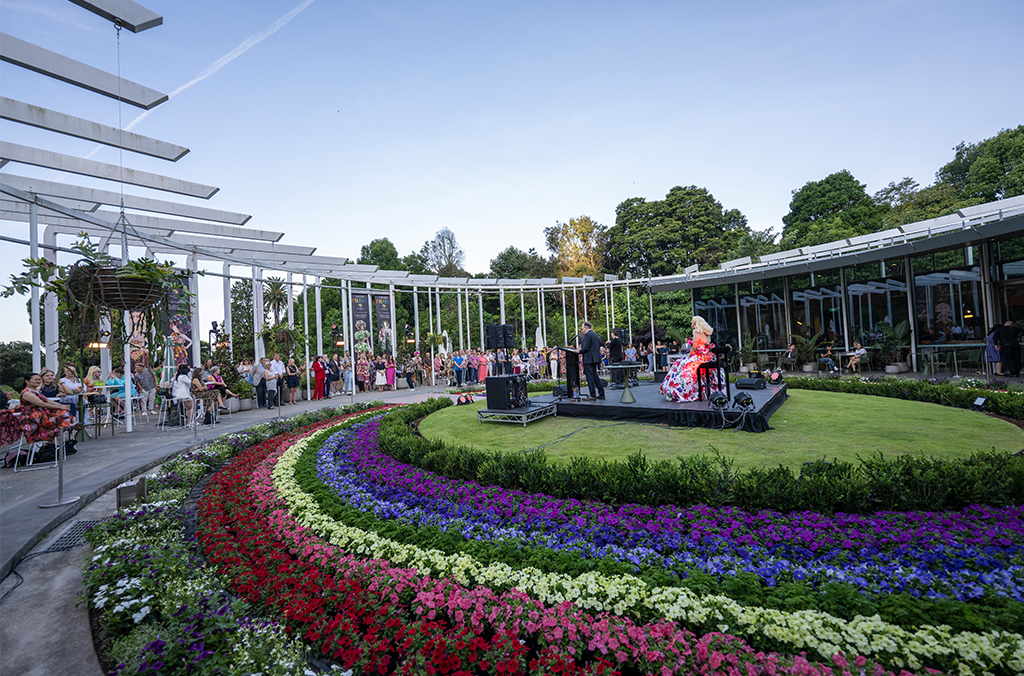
(318, 374)
(681, 382)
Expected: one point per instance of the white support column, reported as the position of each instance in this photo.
(469, 323)
(607, 316)
(430, 323)
(305, 329)
(104, 326)
(439, 329)
(522, 314)
(227, 328)
(540, 318)
(350, 337)
(291, 302)
(197, 358)
(629, 312)
(319, 320)
(575, 317)
(458, 298)
(501, 293)
(394, 329)
(654, 341)
(416, 315)
(52, 321)
(480, 306)
(346, 310)
(33, 249)
(257, 313)
(565, 320)
(585, 318)
(611, 291)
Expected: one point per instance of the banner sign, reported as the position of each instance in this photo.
(178, 330)
(382, 306)
(361, 321)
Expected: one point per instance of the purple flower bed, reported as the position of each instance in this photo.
(959, 554)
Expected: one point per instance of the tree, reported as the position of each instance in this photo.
(275, 297)
(241, 319)
(382, 253)
(577, 245)
(835, 207)
(443, 254)
(15, 363)
(991, 170)
(513, 263)
(688, 227)
(754, 243)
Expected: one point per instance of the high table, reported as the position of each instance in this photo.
(626, 367)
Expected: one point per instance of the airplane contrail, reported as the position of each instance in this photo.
(242, 48)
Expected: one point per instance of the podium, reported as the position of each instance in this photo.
(572, 371)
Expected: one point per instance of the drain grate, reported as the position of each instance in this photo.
(73, 535)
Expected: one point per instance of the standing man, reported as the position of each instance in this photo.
(614, 357)
(259, 382)
(590, 350)
(277, 367)
(1008, 337)
(272, 379)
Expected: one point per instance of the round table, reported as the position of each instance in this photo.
(625, 366)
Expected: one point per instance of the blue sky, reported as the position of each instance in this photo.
(361, 120)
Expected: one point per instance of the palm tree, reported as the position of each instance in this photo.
(275, 297)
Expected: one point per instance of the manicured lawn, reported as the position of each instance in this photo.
(810, 425)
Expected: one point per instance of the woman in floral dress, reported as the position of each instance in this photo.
(681, 382)
(42, 419)
(363, 372)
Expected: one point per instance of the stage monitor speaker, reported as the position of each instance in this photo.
(505, 392)
(751, 384)
(491, 334)
(623, 336)
(508, 336)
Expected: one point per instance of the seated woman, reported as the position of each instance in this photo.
(681, 382)
(215, 382)
(181, 390)
(42, 419)
(858, 352)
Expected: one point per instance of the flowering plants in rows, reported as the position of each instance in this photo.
(378, 617)
(621, 594)
(164, 610)
(798, 561)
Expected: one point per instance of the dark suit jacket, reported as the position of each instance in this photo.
(590, 348)
(615, 350)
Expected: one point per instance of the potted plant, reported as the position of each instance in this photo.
(747, 353)
(245, 394)
(807, 351)
(891, 351)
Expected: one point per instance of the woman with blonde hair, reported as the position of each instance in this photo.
(681, 382)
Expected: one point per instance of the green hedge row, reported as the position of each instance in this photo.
(875, 484)
(1009, 404)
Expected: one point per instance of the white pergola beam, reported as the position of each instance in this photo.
(52, 64)
(111, 172)
(54, 189)
(62, 123)
(131, 15)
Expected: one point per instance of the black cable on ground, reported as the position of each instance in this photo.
(14, 571)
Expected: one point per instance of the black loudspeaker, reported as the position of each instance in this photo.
(751, 384)
(505, 392)
(508, 336)
(559, 391)
(491, 333)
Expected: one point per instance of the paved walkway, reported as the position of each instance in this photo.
(43, 608)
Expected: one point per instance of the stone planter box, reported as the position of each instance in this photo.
(809, 368)
(234, 405)
(903, 366)
(892, 368)
(246, 404)
(752, 366)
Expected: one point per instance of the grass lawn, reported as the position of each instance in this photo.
(810, 425)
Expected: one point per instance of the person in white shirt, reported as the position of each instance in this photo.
(277, 368)
(181, 389)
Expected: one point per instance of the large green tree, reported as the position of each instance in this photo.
(836, 207)
(578, 245)
(990, 170)
(382, 253)
(513, 263)
(664, 236)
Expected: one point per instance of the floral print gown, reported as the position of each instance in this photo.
(42, 424)
(681, 382)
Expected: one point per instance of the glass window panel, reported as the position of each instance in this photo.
(763, 313)
(947, 298)
(717, 305)
(877, 292)
(816, 306)
(1008, 255)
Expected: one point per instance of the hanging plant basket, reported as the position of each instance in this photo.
(124, 293)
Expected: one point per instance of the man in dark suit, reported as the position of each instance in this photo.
(1008, 338)
(614, 357)
(590, 351)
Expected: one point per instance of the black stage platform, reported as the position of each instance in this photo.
(652, 407)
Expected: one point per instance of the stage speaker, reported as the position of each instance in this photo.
(508, 336)
(491, 332)
(505, 392)
(751, 384)
(559, 391)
